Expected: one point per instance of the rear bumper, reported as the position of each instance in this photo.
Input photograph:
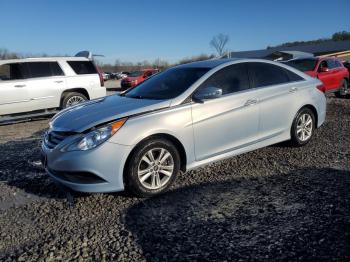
(102, 166)
(321, 108)
(321, 118)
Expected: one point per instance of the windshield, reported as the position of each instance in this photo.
(135, 73)
(168, 84)
(303, 64)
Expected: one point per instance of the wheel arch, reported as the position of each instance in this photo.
(80, 90)
(172, 139)
(314, 111)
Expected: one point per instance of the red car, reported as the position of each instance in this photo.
(136, 77)
(329, 70)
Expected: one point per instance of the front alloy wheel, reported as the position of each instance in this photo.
(155, 168)
(152, 167)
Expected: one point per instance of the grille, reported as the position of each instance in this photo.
(53, 138)
(78, 177)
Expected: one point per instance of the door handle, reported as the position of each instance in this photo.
(251, 102)
(59, 81)
(293, 89)
(20, 86)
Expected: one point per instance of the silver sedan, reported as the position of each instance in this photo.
(185, 117)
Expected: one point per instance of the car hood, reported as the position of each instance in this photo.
(84, 116)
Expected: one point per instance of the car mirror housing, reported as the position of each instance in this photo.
(207, 93)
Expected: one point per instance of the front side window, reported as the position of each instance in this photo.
(13, 71)
(323, 64)
(265, 74)
(231, 79)
(168, 84)
(332, 64)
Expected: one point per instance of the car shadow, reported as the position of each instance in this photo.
(20, 167)
(302, 215)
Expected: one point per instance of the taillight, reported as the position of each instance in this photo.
(102, 82)
(320, 87)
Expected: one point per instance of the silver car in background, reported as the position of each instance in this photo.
(185, 117)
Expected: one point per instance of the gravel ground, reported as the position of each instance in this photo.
(277, 203)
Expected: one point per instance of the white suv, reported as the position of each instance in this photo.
(37, 86)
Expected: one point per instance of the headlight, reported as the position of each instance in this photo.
(95, 137)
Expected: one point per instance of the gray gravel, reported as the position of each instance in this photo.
(277, 203)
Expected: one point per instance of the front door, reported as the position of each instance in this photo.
(14, 96)
(327, 77)
(229, 122)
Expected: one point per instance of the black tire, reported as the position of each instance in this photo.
(296, 140)
(68, 96)
(132, 181)
(344, 89)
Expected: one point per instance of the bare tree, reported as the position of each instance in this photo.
(219, 42)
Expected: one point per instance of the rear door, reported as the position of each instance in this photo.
(14, 96)
(229, 122)
(46, 81)
(276, 89)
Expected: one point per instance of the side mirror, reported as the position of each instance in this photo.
(207, 93)
(324, 69)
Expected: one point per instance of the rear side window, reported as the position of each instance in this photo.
(56, 69)
(264, 74)
(83, 67)
(13, 71)
(43, 69)
(230, 79)
(293, 76)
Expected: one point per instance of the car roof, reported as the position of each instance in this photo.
(207, 63)
(45, 59)
(303, 58)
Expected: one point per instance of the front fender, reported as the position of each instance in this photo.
(173, 121)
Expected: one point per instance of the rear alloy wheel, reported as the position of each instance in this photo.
(303, 127)
(344, 90)
(152, 167)
(72, 99)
